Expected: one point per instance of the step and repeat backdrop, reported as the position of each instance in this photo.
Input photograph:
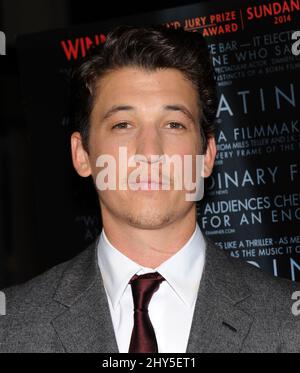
(252, 200)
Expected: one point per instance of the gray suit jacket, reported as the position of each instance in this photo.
(239, 309)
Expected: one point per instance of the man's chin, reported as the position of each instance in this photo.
(148, 221)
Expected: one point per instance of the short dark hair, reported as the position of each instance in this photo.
(149, 48)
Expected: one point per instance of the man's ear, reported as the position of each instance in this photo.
(209, 157)
(80, 157)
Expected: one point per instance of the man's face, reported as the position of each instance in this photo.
(155, 113)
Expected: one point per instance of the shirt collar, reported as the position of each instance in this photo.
(183, 271)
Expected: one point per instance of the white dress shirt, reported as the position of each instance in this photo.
(171, 307)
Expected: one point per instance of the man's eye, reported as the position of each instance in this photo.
(121, 125)
(176, 125)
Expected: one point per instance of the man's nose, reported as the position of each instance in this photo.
(149, 144)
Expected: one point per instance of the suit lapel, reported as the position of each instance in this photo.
(85, 325)
(219, 322)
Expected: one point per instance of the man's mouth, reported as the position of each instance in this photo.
(148, 184)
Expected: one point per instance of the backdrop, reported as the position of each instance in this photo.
(252, 200)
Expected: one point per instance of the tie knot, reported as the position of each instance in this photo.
(143, 287)
(149, 277)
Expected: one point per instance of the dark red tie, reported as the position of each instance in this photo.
(143, 336)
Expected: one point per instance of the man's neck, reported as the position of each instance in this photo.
(149, 247)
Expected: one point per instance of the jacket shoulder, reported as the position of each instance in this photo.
(233, 269)
(238, 274)
(39, 291)
(274, 303)
(260, 281)
(32, 306)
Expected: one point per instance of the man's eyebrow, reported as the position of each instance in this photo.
(115, 108)
(181, 108)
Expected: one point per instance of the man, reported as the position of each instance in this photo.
(152, 282)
